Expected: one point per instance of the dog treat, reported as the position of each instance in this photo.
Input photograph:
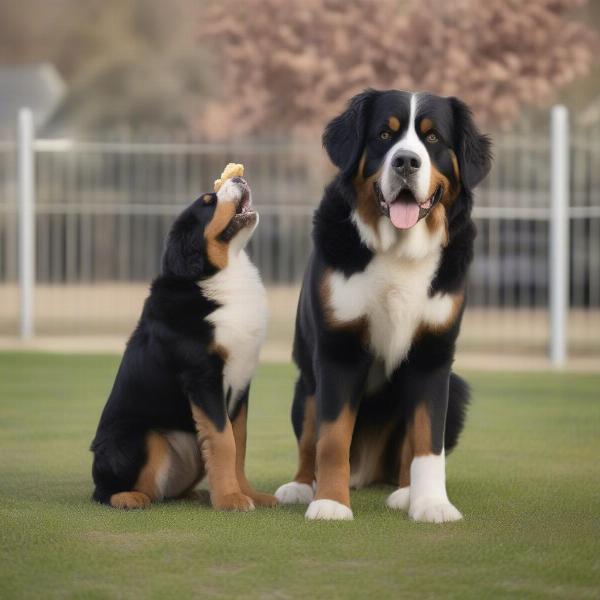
(231, 170)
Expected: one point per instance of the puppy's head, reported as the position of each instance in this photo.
(406, 154)
(210, 232)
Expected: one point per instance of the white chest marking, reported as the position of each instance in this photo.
(392, 293)
(240, 322)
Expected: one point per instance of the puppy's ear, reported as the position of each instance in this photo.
(184, 256)
(344, 136)
(473, 150)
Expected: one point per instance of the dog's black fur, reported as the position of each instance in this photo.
(170, 361)
(334, 362)
(167, 361)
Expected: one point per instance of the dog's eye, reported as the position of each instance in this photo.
(432, 137)
(385, 135)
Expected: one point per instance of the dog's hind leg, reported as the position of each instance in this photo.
(130, 471)
(171, 464)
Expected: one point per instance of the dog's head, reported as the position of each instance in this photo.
(210, 232)
(407, 155)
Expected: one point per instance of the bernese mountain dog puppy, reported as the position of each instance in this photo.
(178, 407)
(381, 305)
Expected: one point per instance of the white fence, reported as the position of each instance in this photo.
(100, 212)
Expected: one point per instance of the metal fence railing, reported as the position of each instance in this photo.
(102, 210)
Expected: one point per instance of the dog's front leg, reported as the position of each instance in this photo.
(339, 387)
(239, 423)
(216, 440)
(426, 498)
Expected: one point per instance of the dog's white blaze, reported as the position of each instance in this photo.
(428, 498)
(409, 141)
(240, 322)
(392, 294)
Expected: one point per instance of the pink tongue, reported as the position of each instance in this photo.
(404, 214)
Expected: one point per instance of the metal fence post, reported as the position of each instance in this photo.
(26, 169)
(559, 236)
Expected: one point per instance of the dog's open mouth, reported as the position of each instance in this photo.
(405, 211)
(244, 214)
(244, 204)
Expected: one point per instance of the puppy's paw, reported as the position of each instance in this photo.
(130, 500)
(400, 499)
(294, 493)
(433, 510)
(235, 502)
(261, 499)
(328, 510)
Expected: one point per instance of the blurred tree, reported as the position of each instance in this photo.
(291, 65)
(132, 63)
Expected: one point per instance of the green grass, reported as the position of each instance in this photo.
(526, 476)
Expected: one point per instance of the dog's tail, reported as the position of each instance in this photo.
(458, 400)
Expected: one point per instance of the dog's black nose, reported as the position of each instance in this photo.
(406, 163)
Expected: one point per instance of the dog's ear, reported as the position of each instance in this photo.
(473, 149)
(344, 136)
(184, 254)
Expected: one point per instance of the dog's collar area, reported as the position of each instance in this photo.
(423, 212)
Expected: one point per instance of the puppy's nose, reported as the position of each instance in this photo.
(406, 163)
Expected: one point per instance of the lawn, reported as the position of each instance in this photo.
(526, 476)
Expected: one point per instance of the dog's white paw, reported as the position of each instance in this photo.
(433, 510)
(400, 499)
(328, 510)
(294, 493)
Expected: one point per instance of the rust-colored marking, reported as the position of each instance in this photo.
(458, 300)
(394, 123)
(240, 436)
(455, 166)
(219, 350)
(437, 220)
(130, 500)
(366, 201)
(426, 125)
(360, 324)
(157, 449)
(420, 431)
(219, 454)
(406, 457)
(307, 444)
(215, 248)
(333, 457)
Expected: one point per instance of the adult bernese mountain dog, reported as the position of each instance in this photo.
(381, 305)
(178, 407)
